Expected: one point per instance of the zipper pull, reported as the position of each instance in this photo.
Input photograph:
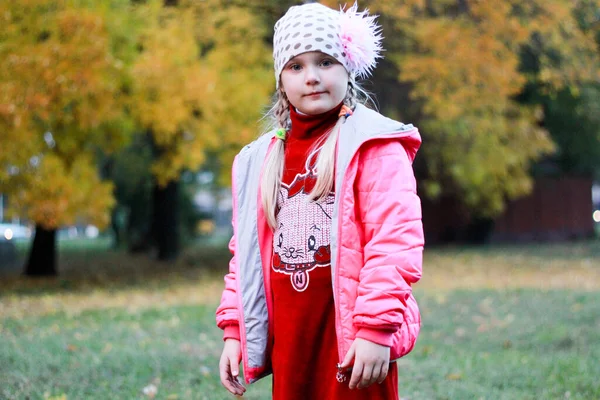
(341, 375)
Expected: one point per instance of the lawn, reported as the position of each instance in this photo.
(512, 322)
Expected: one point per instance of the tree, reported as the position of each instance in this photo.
(236, 48)
(462, 62)
(130, 171)
(571, 111)
(61, 99)
(77, 78)
(574, 124)
(199, 84)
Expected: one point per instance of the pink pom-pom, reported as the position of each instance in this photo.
(361, 38)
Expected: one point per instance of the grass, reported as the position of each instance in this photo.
(110, 354)
(74, 245)
(516, 344)
(512, 322)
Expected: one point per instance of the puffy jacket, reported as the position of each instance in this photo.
(376, 243)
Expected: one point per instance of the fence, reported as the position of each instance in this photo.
(557, 209)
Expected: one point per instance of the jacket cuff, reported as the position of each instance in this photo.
(382, 337)
(231, 332)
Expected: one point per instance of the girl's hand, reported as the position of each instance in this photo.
(229, 367)
(371, 363)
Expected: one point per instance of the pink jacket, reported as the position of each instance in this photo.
(376, 243)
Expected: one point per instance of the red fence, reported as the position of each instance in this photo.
(557, 209)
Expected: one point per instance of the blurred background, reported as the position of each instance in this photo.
(119, 121)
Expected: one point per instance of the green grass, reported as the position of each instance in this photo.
(77, 245)
(522, 344)
(518, 344)
(112, 354)
(496, 325)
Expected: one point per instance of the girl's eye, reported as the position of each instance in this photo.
(294, 67)
(311, 242)
(326, 63)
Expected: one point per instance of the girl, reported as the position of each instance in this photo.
(327, 225)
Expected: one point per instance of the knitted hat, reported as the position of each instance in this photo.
(353, 38)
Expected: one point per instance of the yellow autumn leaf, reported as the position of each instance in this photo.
(454, 377)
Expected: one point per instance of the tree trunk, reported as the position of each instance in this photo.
(165, 226)
(42, 256)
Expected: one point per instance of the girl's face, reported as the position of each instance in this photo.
(314, 82)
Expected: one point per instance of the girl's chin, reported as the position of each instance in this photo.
(314, 109)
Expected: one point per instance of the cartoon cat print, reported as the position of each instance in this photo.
(302, 237)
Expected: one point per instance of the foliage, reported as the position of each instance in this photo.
(130, 171)
(570, 112)
(61, 99)
(77, 77)
(235, 45)
(201, 81)
(574, 124)
(463, 61)
(169, 84)
(57, 193)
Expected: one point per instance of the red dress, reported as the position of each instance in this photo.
(305, 352)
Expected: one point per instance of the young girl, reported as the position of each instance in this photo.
(327, 225)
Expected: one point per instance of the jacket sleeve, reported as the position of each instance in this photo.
(390, 216)
(228, 315)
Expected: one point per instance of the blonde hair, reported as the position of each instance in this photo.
(279, 116)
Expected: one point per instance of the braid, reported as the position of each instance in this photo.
(282, 110)
(273, 169)
(352, 95)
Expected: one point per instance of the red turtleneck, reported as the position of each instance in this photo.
(305, 350)
(306, 130)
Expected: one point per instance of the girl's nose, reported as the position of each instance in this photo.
(312, 76)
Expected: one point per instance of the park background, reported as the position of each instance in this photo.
(119, 120)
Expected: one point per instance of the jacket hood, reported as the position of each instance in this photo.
(369, 123)
(364, 124)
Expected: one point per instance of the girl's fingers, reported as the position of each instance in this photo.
(227, 379)
(384, 371)
(376, 373)
(349, 357)
(239, 389)
(238, 384)
(366, 376)
(357, 372)
(224, 375)
(234, 365)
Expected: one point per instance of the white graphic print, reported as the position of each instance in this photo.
(301, 240)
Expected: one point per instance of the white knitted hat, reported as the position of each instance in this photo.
(352, 38)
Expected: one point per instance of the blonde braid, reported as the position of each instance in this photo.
(274, 164)
(282, 111)
(351, 98)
